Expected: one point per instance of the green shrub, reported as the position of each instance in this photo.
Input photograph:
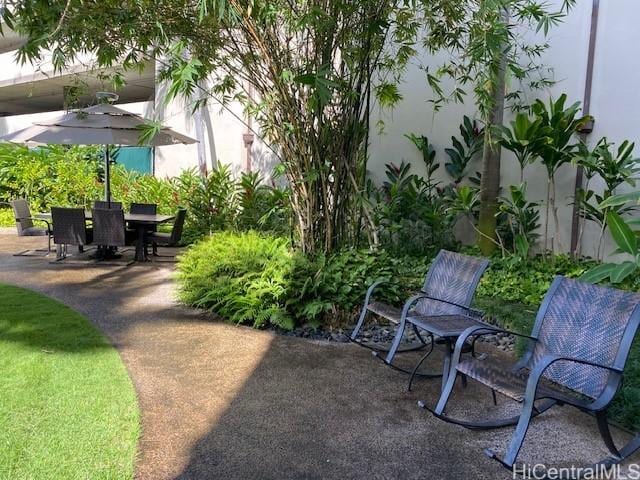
(258, 279)
(625, 409)
(513, 280)
(222, 271)
(330, 288)
(6, 218)
(58, 175)
(263, 206)
(243, 277)
(51, 175)
(410, 212)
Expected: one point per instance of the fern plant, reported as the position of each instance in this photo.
(242, 277)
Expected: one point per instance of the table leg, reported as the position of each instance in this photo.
(140, 244)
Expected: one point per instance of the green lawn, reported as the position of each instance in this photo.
(67, 406)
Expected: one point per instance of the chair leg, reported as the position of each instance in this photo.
(415, 369)
(61, 252)
(361, 319)
(618, 455)
(623, 453)
(157, 255)
(396, 340)
(416, 330)
(360, 323)
(518, 436)
(446, 393)
(605, 433)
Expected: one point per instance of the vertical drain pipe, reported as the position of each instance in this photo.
(586, 110)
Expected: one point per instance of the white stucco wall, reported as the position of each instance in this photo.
(220, 136)
(615, 104)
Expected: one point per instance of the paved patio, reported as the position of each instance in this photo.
(220, 401)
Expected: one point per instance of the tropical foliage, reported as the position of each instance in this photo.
(625, 235)
(409, 211)
(614, 168)
(63, 176)
(464, 151)
(259, 279)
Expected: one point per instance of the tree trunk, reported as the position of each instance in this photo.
(490, 182)
(557, 243)
(546, 219)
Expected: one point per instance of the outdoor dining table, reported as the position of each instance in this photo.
(141, 222)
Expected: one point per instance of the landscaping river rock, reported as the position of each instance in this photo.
(383, 334)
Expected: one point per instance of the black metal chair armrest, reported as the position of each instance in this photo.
(372, 287)
(43, 220)
(448, 302)
(474, 331)
(411, 301)
(547, 360)
(478, 331)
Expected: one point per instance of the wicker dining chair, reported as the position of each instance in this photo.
(103, 204)
(109, 228)
(448, 289)
(26, 227)
(70, 228)
(172, 239)
(144, 208)
(576, 356)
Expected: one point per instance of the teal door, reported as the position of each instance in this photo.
(137, 159)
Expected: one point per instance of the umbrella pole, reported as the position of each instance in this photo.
(107, 176)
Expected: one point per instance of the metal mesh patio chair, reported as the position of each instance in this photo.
(448, 289)
(103, 204)
(26, 227)
(576, 356)
(172, 239)
(69, 228)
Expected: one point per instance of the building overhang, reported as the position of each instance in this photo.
(44, 92)
(10, 40)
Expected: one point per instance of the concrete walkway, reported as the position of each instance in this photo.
(226, 402)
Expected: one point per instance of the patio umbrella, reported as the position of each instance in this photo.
(101, 124)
